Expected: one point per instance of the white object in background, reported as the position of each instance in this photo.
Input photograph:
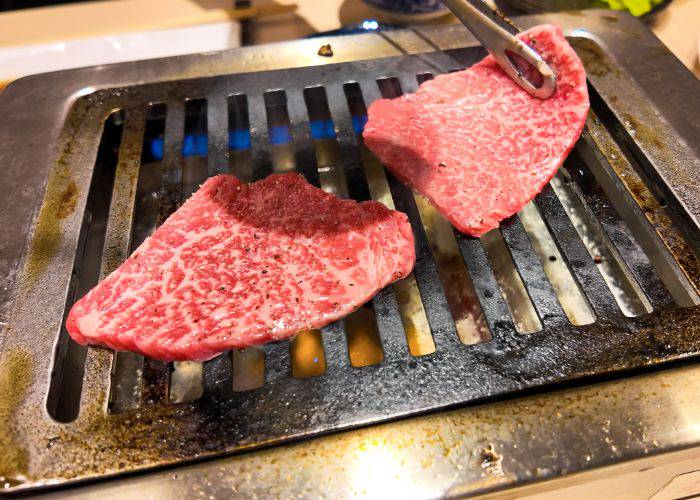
(26, 60)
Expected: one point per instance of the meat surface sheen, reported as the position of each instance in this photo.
(242, 264)
(476, 144)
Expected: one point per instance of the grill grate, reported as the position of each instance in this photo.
(477, 318)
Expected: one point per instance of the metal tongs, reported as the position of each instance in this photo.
(496, 34)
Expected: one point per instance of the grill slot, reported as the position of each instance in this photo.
(510, 283)
(581, 182)
(156, 373)
(127, 367)
(63, 401)
(445, 336)
(406, 297)
(576, 254)
(307, 355)
(248, 369)
(507, 277)
(363, 344)
(627, 293)
(186, 376)
(240, 161)
(459, 290)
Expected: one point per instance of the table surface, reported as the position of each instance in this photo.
(678, 25)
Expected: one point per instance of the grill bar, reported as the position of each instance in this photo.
(117, 247)
(579, 260)
(261, 160)
(494, 306)
(218, 141)
(530, 269)
(218, 375)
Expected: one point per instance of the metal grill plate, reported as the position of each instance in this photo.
(43, 451)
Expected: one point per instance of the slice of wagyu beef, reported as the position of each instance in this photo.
(243, 264)
(476, 144)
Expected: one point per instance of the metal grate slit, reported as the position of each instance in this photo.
(625, 289)
(307, 356)
(127, 367)
(466, 314)
(576, 254)
(248, 369)
(414, 316)
(186, 382)
(65, 387)
(587, 189)
(239, 142)
(569, 295)
(510, 283)
(362, 344)
(125, 380)
(389, 317)
(156, 373)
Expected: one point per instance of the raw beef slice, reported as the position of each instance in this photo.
(243, 264)
(476, 144)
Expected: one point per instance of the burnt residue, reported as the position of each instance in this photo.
(99, 443)
(654, 209)
(490, 460)
(325, 51)
(15, 376)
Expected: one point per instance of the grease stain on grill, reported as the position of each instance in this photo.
(59, 202)
(596, 62)
(67, 200)
(16, 373)
(61, 196)
(642, 131)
